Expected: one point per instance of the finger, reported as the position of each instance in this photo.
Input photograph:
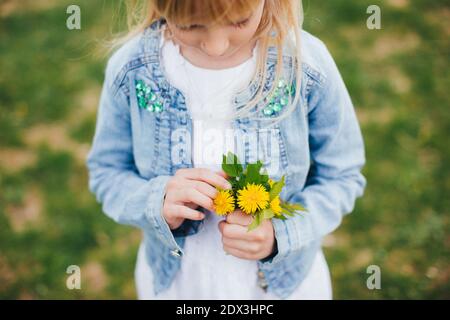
(193, 195)
(238, 253)
(222, 173)
(203, 187)
(234, 231)
(238, 217)
(221, 225)
(191, 205)
(205, 175)
(242, 245)
(185, 212)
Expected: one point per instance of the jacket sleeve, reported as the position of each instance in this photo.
(126, 197)
(337, 157)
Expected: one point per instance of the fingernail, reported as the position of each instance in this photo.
(228, 186)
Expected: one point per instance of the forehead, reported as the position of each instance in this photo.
(207, 12)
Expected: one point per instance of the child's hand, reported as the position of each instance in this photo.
(188, 189)
(254, 245)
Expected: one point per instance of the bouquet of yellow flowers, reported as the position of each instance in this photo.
(252, 192)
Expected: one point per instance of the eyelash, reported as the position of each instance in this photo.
(239, 25)
(187, 28)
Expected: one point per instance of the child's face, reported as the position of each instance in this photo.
(219, 42)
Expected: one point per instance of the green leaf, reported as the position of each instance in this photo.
(276, 188)
(287, 212)
(255, 223)
(292, 206)
(267, 213)
(264, 178)
(290, 209)
(234, 183)
(253, 175)
(285, 206)
(241, 181)
(231, 165)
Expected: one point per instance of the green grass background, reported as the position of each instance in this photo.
(50, 80)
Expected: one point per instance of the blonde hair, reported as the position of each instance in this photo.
(283, 17)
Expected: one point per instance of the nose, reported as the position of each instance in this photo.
(216, 44)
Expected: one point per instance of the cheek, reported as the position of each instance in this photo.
(187, 38)
(242, 37)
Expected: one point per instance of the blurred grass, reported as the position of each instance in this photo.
(49, 87)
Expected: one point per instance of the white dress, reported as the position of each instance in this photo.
(206, 271)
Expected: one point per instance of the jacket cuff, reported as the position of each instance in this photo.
(283, 243)
(187, 228)
(273, 254)
(155, 216)
(287, 235)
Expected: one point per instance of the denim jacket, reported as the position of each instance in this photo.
(319, 148)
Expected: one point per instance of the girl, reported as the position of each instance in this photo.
(198, 78)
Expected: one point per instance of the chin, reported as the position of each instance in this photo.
(221, 57)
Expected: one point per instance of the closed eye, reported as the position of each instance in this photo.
(191, 27)
(239, 24)
(242, 23)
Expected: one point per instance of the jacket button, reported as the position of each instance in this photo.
(182, 120)
(176, 253)
(263, 285)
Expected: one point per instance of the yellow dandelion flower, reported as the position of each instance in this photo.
(224, 202)
(252, 198)
(275, 205)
